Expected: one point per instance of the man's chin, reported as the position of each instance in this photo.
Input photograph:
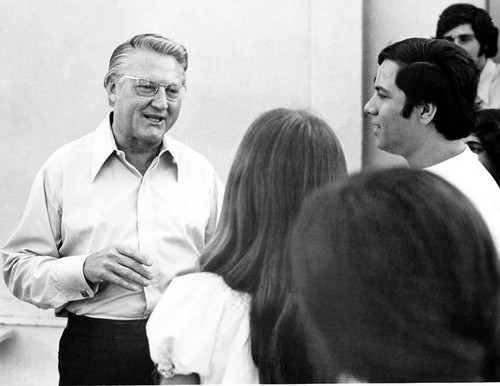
(151, 137)
(156, 130)
(383, 146)
(380, 144)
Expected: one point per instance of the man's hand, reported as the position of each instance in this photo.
(119, 265)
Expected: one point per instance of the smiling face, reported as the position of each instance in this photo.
(464, 36)
(140, 122)
(393, 133)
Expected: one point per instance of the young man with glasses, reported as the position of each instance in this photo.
(472, 29)
(114, 216)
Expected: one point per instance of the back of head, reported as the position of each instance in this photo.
(482, 25)
(398, 276)
(149, 42)
(284, 155)
(438, 72)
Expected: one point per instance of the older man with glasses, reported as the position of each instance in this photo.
(113, 216)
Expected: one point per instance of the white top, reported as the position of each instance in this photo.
(488, 90)
(86, 197)
(202, 326)
(466, 173)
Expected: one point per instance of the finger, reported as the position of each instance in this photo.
(135, 267)
(130, 275)
(110, 277)
(134, 254)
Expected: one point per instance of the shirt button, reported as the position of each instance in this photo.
(84, 294)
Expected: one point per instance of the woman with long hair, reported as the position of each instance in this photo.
(216, 326)
(398, 281)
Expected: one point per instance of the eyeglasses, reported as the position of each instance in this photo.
(459, 39)
(149, 88)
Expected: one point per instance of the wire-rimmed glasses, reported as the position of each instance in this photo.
(149, 88)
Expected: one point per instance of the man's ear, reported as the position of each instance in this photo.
(111, 89)
(427, 112)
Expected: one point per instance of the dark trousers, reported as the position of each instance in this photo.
(104, 352)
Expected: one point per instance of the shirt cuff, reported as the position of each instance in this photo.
(71, 279)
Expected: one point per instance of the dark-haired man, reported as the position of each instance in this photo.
(472, 29)
(113, 216)
(423, 106)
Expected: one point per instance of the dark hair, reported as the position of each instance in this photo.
(398, 278)
(441, 73)
(487, 129)
(284, 155)
(482, 25)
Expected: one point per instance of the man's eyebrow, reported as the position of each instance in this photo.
(459, 36)
(380, 88)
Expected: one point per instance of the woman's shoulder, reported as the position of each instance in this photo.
(205, 290)
(199, 310)
(198, 280)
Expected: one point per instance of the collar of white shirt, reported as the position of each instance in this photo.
(104, 144)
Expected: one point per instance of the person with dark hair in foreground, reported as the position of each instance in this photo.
(216, 326)
(485, 141)
(472, 29)
(423, 106)
(398, 281)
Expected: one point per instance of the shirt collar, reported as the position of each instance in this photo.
(104, 145)
(463, 156)
(169, 146)
(485, 80)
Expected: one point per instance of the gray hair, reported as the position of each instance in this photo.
(151, 42)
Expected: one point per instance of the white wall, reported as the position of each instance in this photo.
(29, 357)
(493, 7)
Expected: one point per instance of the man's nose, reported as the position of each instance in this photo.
(370, 107)
(160, 100)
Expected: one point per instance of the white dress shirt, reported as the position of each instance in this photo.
(87, 197)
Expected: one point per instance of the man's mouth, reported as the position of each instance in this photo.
(154, 118)
(376, 128)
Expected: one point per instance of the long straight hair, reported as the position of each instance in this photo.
(284, 155)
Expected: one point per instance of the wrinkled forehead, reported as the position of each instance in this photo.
(152, 65)
(147, 58)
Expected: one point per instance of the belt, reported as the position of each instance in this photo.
(96, 327)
